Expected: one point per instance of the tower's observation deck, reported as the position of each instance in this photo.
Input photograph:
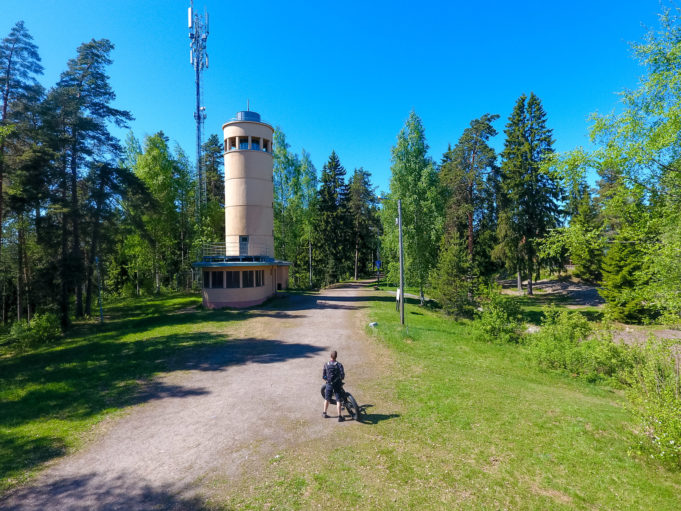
(249, 215)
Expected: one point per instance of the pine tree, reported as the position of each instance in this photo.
(82, 103)
(466, 172)
(19, 68)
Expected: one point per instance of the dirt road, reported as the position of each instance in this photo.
(254, 395)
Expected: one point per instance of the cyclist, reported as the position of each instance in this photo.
(333, 374)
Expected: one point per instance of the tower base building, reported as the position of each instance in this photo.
(242, 271)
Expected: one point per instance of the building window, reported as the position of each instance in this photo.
(266, 145)
(247, 277)
(232, 279)
(255, 143)
(232, 143)
(206, 279)
(243, 143)
(217, 279)
(259, 278)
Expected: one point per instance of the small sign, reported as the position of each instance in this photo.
(378, 264)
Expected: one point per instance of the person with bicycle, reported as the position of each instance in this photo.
(333, 373)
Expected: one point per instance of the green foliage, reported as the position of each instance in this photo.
(42, 329)
(567, 342)
(414, 181)
(450, 280)
(333, 242)
(655, 394)
(530, 192)
(500, 319)
(469, 176)
(364, 220)
(295, 189)
(622, 285)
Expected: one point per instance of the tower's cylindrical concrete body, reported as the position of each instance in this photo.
(249, 216)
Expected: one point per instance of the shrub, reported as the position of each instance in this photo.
(499, 317)
(567, 342)
(43, 329)
(655, 394)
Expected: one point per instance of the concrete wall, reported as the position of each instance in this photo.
(215, 298)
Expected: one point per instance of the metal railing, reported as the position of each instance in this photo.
(235, 251)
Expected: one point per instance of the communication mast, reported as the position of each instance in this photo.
(198, 57)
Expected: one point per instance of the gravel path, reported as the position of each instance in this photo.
(256, 394)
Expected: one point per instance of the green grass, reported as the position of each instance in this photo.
(532, 307)
(462, 424)
(51, 397)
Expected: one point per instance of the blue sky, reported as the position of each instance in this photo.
(343, 76)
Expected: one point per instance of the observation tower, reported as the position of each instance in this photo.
(243, 271)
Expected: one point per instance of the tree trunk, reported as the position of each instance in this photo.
(157, 277)
(356, 257)
(309, 246)
(20, 273)
(94, 244)
(470, 234)
(520, 282)
(64, 270)
(529, 284)
(75, 222)
(27, 280)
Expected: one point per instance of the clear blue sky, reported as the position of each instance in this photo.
(344, 75)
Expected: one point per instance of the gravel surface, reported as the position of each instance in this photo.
(256, 394)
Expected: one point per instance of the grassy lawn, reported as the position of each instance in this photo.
(461, 424)
(52, 396)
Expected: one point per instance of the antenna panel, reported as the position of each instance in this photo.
(189, 16)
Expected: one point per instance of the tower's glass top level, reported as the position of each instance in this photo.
(248, 115)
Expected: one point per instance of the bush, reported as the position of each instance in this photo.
(655, 394)
(499, 317)
(566, 342)
(43, 329)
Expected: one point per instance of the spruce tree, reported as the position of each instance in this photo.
(450, 278)
(362, 208)
(530, 195)
(332, 239)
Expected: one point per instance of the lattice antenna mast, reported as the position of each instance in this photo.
(198, 57)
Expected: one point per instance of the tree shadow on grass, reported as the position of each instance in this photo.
(103, 493)
(83, 380)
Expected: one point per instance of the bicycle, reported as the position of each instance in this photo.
(348, 402)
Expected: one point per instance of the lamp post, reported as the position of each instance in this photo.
(399, 225)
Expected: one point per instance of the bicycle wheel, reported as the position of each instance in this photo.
(351, 406)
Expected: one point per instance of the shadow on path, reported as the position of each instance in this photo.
(87, 492)
(73, 383)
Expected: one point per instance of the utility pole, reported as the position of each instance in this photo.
(198, 58)
(399, 223)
